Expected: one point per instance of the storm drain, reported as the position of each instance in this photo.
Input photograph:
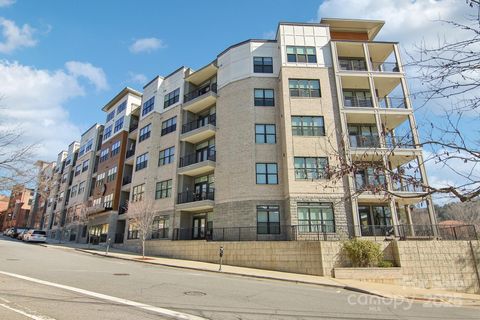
(121, 274)
(195, 293)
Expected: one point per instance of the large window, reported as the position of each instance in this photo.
(267, 173)
(171, 98)
(81, 187)
(122, 106)
(308, 126)
(73, 192)
(144, 133)
(107, 132)
(100, 179)
(133, 232)
(115, 148)
(110, 115)
(108, 201)
(160, 227)
(142, 162)
(315, 217)
(301, 54)
(118, 125)
(78, 170)
(310, 168)
(262, 64)
(112, 174)
(304, 88)
(264, 98)
(375, 220)
(163, 189)
(166, 156)
(148, 106)
(169, 125)
(268, 220)
(85, 165)
(265, 133)
(137, 192)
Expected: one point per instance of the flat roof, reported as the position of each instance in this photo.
(120, 95)
(370, 27)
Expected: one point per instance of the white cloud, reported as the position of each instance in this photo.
(139, 78)
(93, 74)
(14, 37)
(146, 45)
(6, 3)
(34, 100)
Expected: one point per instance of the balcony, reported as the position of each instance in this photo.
(199, 130)
(397, 142)
(201, 98)
(364, 141)
(354, 102)
(352, 64)
(392, 103)
(192, 201)
(126, 181)
(198, 163)
(383, 66)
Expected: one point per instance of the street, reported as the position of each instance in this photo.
(43, 283)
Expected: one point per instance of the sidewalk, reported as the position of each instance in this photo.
(376, 289)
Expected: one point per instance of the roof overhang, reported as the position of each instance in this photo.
(203, 74)
(119, 96)
(370, 27)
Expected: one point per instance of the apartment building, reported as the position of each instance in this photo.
(19, 207)
(81, 185)
(246, 146)
(108, 199)
(42, 192)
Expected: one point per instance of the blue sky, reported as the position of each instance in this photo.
(61, 61)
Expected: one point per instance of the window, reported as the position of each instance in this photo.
(169, 125)
(81, 151)
(304, 88)
(73, 192)
(163, 189)
(171, 98)
(160, 227)
(262, 64)
(268, 220)
(148, 106)
(103, 155)
(267, 173)
(112, 174)
(118, 125)
(122, 106)
(137, 192)
(144, 133)
(308, 126)
(107, 132)
(142, 162)
(310, 168)
(97, 202)
(100, 179)
(301, 54)
(264, 98)
(89, 145)
(115, 148)
(110, 115)
(78, 169)
(81, 187)
(132, 231)
(265, 133)
(166, 156)
(108, 201)
(85, 165)
(315, 217)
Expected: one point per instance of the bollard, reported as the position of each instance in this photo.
(221, 258)
(108, 246)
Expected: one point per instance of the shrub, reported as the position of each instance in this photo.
(385, 264)
(363, 253)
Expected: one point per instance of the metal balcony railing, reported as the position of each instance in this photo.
(407, 187)
(200, 92)
(129, 153)
(385, 66)
(198, 157)
(126, 180)
(358, 102)
(399, 142)
(191, 196)
(352, 64)
(190, 126)
(392, 103)
(361, 141)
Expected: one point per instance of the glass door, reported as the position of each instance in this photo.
(199, 227)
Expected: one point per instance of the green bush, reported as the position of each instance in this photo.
(363, 253)
(385, 264)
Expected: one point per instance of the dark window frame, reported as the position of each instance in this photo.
(168, 126)
(262, 64)
(268, 227)
(141, 162)
(171, 98)
(118, 125)
(311, 173)
(309, 91)
(115, 148)
(310, 225)
(304, 130)
(263, 101)
(163, 189)
(148, 106)
(166, 159)
(268, 175)
(144, 133)
(264, 135)
(301, 57)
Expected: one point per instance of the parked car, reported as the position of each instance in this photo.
(17, 231)
(8, 232)
(20, 235)
(35, 236)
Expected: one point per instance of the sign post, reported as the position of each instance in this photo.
(221, 258)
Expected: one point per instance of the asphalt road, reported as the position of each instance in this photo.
(104, 288)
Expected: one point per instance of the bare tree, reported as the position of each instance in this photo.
(141, 214)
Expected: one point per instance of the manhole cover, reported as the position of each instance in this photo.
(121, 274)
(194, 293)
(13, 259)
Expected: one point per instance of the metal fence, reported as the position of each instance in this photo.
(327, 232)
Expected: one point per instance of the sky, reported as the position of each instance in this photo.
(61, 61)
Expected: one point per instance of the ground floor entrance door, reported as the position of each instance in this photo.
(199, 227)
